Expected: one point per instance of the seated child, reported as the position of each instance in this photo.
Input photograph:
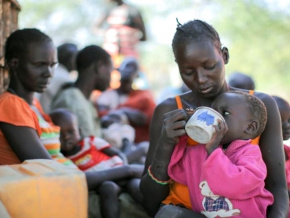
(115, 128)
(95, 154)
(117, 131)
(226, 176)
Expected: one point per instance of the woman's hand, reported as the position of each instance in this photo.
(173, 126)
(168, 124)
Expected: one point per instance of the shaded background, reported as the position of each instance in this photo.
(256, 33)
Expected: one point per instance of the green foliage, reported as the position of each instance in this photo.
(71, 20)
(258, 40)
(257, 33)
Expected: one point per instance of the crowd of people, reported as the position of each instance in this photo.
(134, 150)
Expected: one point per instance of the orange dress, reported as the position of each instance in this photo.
(15, 111)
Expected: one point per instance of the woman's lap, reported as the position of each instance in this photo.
(129, 208)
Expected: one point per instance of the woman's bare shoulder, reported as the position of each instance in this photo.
(266, 99)
(167, 105)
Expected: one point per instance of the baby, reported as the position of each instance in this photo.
(226, 176)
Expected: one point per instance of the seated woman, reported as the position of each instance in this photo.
(134, 106)
(201, 60)
(31, 57)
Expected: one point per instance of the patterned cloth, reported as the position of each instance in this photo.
(91, 157)
(49, 134)
(215, 204)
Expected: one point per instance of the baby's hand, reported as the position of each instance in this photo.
(123, 157)
(220, 130)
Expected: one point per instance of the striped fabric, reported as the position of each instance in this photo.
(91, 156)
(50, 135)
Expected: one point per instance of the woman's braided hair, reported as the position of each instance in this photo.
(197, 30)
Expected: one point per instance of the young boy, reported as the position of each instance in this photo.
(95, 154)
(226, 176)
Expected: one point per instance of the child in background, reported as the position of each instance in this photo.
(90, 153)
(226, 176)
(95, 154)
(121, 136)
(284, 109)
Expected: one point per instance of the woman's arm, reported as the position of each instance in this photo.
(24, 141)
(271, 145)
(166, 127)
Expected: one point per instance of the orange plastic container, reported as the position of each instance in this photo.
(43, 189)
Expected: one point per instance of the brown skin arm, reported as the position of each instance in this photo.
(24, 141)
(166, 127)
(111, 151)
(271, 144)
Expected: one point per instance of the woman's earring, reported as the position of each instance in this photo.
(225, 53)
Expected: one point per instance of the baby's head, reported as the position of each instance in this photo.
(284, 109)
(110, 119)
(69, 130)
(245, 115)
